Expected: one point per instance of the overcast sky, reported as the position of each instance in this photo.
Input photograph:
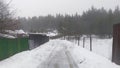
(25, 8)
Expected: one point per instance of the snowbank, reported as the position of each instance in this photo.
(33, 58)
(87, 59)
(102, 47)
(28, 59)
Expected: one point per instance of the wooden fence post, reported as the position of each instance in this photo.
(90, 42)
(83, 42)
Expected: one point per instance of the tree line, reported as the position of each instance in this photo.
(93, 21)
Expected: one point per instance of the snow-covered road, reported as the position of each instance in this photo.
(59, 58)
(57, 54)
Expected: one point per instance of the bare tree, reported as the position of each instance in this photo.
(6, 19)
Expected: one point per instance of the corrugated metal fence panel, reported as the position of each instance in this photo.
(3, 48)
(36, 40)
(12, 46)
(9, 47)
(23, 44)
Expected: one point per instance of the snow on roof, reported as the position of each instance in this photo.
(16, 31)
(6, 36)
(38, 33)
(50, 34)
(19, 32)
(37, 57)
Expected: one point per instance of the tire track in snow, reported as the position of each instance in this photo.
(71, 61)
(43, 65)
(59, 58)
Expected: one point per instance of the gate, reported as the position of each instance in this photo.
(116, 44)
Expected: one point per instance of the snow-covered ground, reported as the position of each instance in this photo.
(57, 54)
(102, 47)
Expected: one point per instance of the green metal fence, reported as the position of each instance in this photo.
(9, 47)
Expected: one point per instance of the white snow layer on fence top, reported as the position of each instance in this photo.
(34, 58)
(16, 31)
(6, 36)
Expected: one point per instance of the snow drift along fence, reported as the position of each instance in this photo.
(9, 47)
